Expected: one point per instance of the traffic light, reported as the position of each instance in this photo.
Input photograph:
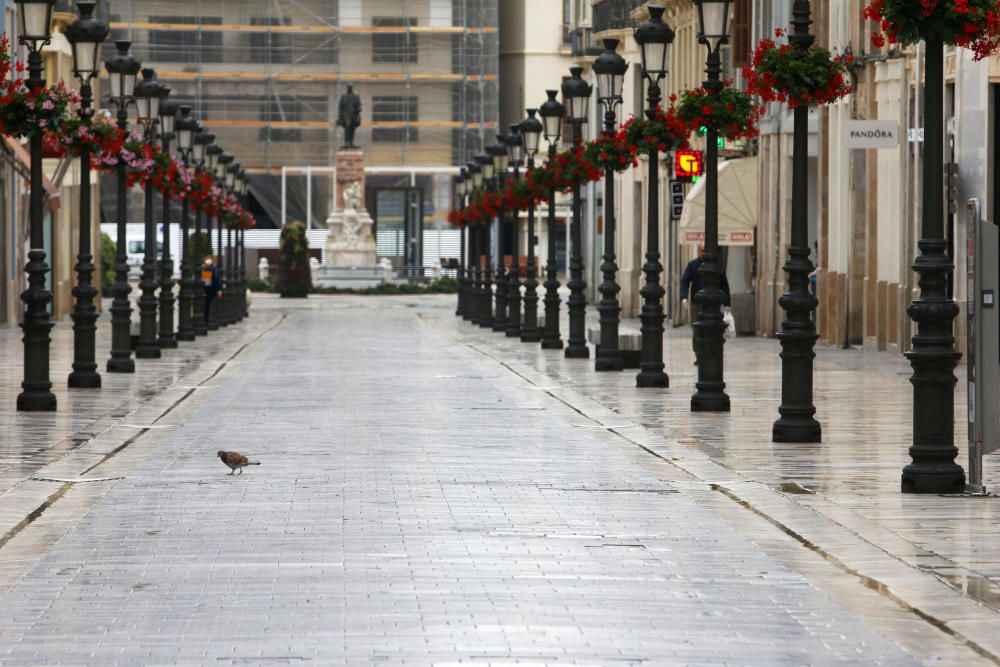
(676, 199)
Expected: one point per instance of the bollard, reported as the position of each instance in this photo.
(263, 268)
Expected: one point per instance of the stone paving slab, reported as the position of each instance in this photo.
(417, 504)
(936, 555)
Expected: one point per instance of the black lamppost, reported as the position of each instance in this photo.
(168, 338)
(462, 185)
(221, 175)
(708, 329)
(186, 128)
(515, 148)
(214, 153)
(36, 21)
(552, 112)
(486, 287)
(576, 91)
(654, 38)
(204, 155)
(498, 154)
(243, 189)
(148, 94)
(933, 356)
(798, 331)
(475, 270)
(85, 35)
(531, 134)
(610, 69)
(231, 304)
(122, 69)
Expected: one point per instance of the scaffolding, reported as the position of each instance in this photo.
(266, 76)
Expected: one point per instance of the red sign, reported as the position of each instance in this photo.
(688, 165)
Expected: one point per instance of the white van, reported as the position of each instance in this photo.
(135, 244)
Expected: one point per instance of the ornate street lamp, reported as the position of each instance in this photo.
(475, 267)
(243, 188)
(576, 91)
(212, 155)
(609, 69)
(486, 287)
(231, 304)
(531, 134)
(221, 176)
(460, 181)
(515, 148)
(85, 36)
(122, 69)
(552, 113)
(708, 329)
(798, 331)
(36, 21)
(203, 156)
(654, 38)
(168, 338)
(498, 154)
(185, 128)
(148, 94)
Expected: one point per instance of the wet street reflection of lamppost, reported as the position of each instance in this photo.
(610, 69)
(654, 38)
(708, 330)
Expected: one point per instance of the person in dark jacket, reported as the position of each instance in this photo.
(691, 284)
(212, 283)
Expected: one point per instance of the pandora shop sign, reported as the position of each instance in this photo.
(871, 134)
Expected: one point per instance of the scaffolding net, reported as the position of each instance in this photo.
(266, 76)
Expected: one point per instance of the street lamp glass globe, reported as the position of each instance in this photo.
(122, 68)
(498, 153)
(713, 22)
(654, 38)
(168, 113)
(85, 35)
(515, 146)
(147, 96)
(185, 127)
(477, 174)
(609, 70)
(552, 112)
(576, 92)
(485, 165)
(531, 133)
(36, 22)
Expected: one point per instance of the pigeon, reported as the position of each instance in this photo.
(235, 461)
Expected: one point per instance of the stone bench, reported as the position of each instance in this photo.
(629, 344)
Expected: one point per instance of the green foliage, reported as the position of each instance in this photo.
(197, 249)
(107, 264)
(258, 285)
(294, 278)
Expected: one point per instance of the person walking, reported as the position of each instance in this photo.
(212, 282)
(691, 284)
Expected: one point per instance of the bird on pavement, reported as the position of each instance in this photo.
(236, 461)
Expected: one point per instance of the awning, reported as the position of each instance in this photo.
(737, 205)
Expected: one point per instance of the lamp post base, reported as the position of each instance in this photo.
(709, 401)
(577, 352)
(85, 379)
(944, 477)
(606, 362)
(550, 344)
(797, 429)
(652, 379)
(36, 401)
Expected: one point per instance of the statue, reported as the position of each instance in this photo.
(352, 225)
(349, 115)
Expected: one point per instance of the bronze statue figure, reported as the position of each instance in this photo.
(349, 115)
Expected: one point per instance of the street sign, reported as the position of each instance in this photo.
(871, 134)
(688, 165)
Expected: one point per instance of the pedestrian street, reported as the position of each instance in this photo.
(419, 501)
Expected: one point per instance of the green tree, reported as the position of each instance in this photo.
(197, 249)
(294, 279)
(107, 267)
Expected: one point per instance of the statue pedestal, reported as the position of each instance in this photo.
(351, 259)
(350, 242)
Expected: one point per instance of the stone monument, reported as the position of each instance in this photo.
(350, 242)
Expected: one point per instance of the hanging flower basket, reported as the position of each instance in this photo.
(23, 112)
(730, 111)
(971, 24)
(781, 73)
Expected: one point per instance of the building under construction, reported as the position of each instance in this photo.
(266, 75)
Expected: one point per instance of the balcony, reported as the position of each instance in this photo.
(614, 14)
(582, 43)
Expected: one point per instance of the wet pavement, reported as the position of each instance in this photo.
(434, 494)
